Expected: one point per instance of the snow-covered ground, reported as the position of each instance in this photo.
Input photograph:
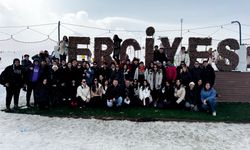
(30, 132)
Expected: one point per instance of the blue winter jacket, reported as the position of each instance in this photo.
(209, 95)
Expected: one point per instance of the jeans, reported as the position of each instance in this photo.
(211, 105)
(117, 102)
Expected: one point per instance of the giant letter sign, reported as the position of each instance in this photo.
(193, 44)
(125, 44)
(104, 54)
(171, 50)
(74, 50)
(225, 53)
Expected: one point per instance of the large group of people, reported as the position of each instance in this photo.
(56, 82)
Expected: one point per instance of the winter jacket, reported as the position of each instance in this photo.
(186, 78)
(171, 73)
(158, 80)
(209, 95)
(196, 74)
(208, 75)
(13, 75)
(136, 75)
(144, 93)
(98, 91)
(182, 57)
(114, 92)
(83, 92)
(179, 94)
(167, 93)
(191, 96)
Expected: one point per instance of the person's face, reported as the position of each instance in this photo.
(178, 83)
(145, 83)
(36, 63)
(200, 82)
(161, 50)
(79, 66)
(183, 50)
(74, 63)
(152, 65)
(63, 62)
(127, 83)
(167, 83)
(196, 64)
(45, 81)
(100, 77)
(26, 57)
(95, 81)
(125, 66)
(84, 82)
(69, 65)
(207, 86)
(94, 65)
(141, 65)
(191, 87)
(117, 67)
(115, 82)
(17, 63)
(106, 82)
(87, 66)
(155, 67)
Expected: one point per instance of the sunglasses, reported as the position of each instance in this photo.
(83, 81)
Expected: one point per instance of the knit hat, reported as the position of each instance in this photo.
(191, 83)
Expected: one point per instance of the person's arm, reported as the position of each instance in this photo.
(160, 80)
(187, 59)
(212, 95)
(140, 94)
(136, 74)
(203, 98)
(88, 95)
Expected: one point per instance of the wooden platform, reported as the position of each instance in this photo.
(233, 86)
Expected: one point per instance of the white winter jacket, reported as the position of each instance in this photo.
(144, 93)
(158, 80)
(83, 92)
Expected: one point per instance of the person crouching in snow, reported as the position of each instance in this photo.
(114, 94)
(144, 93)
(179, 94)
(191, 97)
(83, 94)
(128, 93)
(208, 98)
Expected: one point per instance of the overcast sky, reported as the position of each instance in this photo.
(126, 14)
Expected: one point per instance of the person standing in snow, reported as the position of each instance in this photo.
(13, 79)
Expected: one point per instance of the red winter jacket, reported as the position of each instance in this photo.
(171, 73)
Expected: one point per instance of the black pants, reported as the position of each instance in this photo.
(96, 101)
(10, 92)
(31, 87)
